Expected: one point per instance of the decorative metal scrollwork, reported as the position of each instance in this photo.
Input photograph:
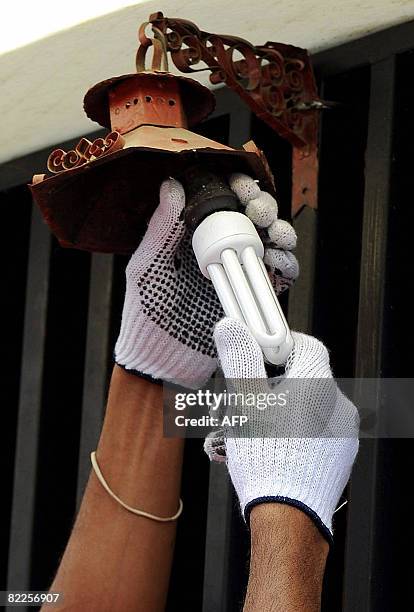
(84, 152)
(275, 80)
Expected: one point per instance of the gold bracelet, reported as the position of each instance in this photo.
(147, 515)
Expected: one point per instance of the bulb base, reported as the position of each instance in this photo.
(207, 192)
(224, 230)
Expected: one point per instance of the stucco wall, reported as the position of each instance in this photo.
(42, 84)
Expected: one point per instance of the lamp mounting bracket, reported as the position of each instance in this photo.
(275, 80)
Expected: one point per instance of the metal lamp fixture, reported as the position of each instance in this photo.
(100, 195)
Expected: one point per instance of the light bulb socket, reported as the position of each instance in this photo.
(207, 191)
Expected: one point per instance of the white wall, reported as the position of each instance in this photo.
(42, 84)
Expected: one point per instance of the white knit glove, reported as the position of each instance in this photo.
(308, 470)
(170, 308)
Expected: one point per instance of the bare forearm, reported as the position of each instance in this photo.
(288, 556)
(116, 560)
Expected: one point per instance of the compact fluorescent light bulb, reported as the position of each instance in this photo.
(230, 253)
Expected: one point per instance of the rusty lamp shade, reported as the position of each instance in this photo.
(100, 196)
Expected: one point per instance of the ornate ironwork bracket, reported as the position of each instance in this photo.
(275, 80)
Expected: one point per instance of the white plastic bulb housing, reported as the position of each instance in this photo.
(230, 253)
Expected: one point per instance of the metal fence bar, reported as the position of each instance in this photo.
(359, 577)
(96, 362)
(300, 307)
(30, 402)
(219, 516)
(217, 570)
(301, 295)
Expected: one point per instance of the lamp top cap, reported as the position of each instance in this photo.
(196, 100)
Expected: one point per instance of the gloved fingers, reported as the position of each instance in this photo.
(282, 235)
(262, 210)
(242, 362)
(165, 229)
(309, 358)
(167, 219)
(282, 262)
(261, 207)
(239, 353)
(215, 447)
(283, 268)
(279, 283)
(244, 187)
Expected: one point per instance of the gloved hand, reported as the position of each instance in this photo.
(170, 308)
(309, 462)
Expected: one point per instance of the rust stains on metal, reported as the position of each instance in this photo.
(100, 195)
(274, 79)
(105, 205)
(197, 101)
(156, 102)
